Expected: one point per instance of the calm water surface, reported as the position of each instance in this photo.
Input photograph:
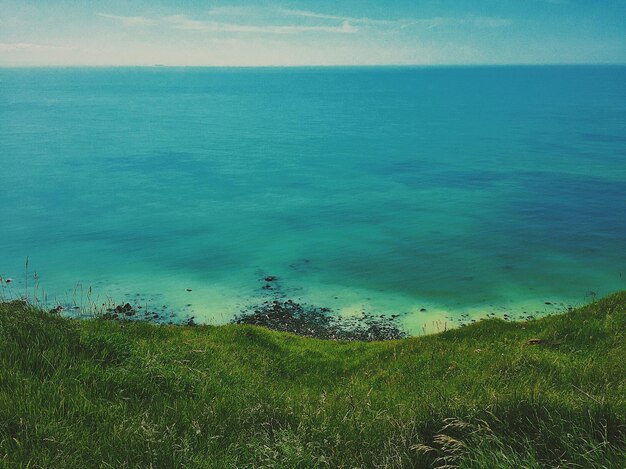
(455, 190)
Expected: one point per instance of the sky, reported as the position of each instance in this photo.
(313, 32)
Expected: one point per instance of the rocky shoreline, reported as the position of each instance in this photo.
(280, 314)
(279, 308)
(320, 323)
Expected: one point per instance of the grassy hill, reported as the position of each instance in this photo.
(545, 393)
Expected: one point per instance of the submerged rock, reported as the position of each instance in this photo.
(125, 309)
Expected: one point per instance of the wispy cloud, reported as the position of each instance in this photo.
(186, 23)
(431, 23)
(127, 20)
(232, 10)
(330, 23)
(25, 46)
(350, 19)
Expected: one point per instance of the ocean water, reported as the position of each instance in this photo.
(458, 191)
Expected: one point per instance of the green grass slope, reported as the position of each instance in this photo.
(107, 394)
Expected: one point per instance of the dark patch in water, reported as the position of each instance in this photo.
(302, 265)
(281, 314)
(604, 138)
(427, 174)
(313, 321)
(573, 205)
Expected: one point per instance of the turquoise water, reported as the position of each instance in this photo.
(454, 190)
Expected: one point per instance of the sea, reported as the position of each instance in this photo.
(443, 195)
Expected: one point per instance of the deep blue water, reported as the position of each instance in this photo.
(457, 190)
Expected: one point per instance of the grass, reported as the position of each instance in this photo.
(102, 393)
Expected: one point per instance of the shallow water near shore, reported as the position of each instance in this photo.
(440, 194)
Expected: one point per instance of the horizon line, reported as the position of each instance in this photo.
(390, 65)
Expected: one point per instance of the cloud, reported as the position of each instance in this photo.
(434, 22)
(351, 19)
(127, 20)
(24, 46)
(340, 24)
(235, 10)
(183, 22)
